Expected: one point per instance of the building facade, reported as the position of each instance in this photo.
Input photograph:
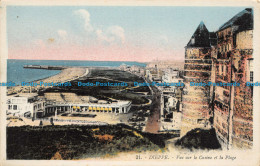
(233, 105)
(25, 105)
(222, 57)
(57, 103)
(121, 107)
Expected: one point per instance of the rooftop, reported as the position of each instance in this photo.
(202, 37)
(27, 95)
(244, 21)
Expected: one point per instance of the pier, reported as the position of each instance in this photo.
(51, 67)
(46, 67)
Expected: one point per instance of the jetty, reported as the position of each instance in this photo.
(47, 67)
(50, 67)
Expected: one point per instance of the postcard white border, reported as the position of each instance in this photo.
(250, 157)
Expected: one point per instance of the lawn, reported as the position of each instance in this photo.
(106, 92)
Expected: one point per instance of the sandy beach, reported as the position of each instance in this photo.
(65, 75)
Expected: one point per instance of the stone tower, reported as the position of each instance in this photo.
(197, 69)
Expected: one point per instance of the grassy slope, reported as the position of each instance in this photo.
(75, 142)
(104, 92)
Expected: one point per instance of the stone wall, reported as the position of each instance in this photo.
(244, 40)
(233, 108)
(195, 103)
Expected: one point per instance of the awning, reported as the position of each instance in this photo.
(110, 109)
(90, 108)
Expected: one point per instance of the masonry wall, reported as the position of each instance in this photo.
(242, 136)
(195, 103)
(244, 40)
(221, 104)
(233, 107)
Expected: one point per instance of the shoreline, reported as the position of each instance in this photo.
(66, 75)
(41, 79)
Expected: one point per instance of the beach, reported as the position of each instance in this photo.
(65, 75)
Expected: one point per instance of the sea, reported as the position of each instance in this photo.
(17, 74)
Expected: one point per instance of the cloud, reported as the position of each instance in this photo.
(113, 34)
(62, 33)
(101, 36)
(118, 32)
(85, 16)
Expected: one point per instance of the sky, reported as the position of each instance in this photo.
(102, 33)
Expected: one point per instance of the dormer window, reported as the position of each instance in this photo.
(193, 40)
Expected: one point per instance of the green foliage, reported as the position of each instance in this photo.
(199, 139)
(72, 142)
(106, 92)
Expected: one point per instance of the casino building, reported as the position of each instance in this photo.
(69, 102)
(34, 106)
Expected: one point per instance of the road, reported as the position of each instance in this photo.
(153, 124)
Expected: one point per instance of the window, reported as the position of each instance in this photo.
(9, 107)
(220, 69)
(15, 107)
(250, 73)
(224, 69)
(251, 76)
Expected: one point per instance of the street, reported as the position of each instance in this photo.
(153, 124)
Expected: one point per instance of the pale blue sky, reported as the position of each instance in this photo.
(143, 26)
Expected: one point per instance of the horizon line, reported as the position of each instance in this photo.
(96, 60)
